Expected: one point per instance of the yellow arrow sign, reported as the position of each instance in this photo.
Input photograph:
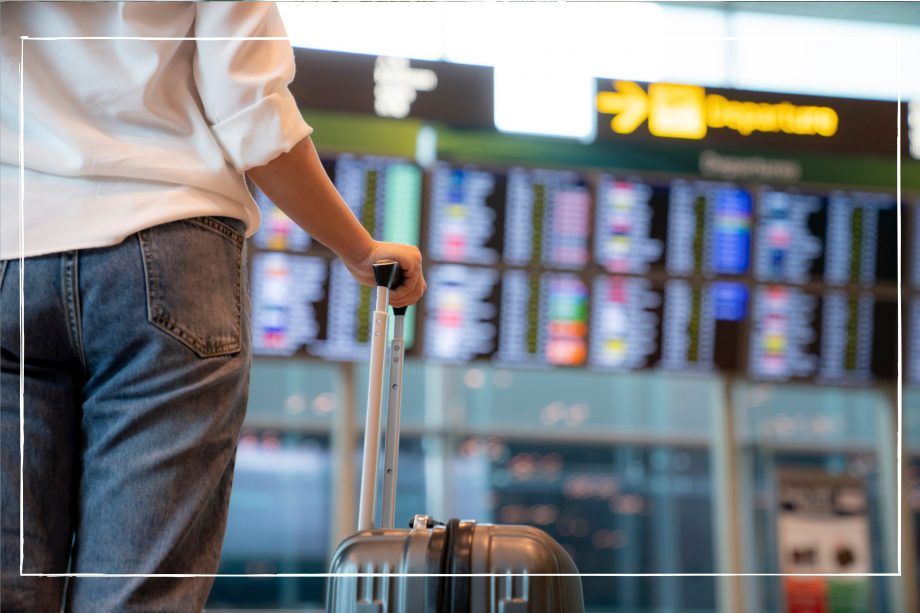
(629, 103)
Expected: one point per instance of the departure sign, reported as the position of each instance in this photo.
(547, 219)
(631, 111)
(709, 229)
(631, 220)
(789, 236)
(543, 319)
(461, 313)
(286, 289)
(464, 225)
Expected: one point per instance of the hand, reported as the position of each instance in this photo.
(409, 258)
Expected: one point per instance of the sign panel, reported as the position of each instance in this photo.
(627, 110)
(457, 94)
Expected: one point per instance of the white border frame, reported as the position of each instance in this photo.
(900, 383)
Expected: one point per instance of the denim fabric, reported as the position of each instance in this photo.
(137, 363)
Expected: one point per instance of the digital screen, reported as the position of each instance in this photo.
(348, 324)
(625, 320)
(285, 292)
(789, 234)
(547, 219)
(543, 319)
(709, 229)
(631, 221)
(784, 341)
(461, 312)
(384, 193)
(846, 338)
(833, 337)
(861, 239)
(464, 209)
(276, 231)
(702, 325)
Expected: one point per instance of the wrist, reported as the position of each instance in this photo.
(359, 251)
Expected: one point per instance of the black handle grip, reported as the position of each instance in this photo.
(388, 274)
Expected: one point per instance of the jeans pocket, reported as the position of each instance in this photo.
(193, 275)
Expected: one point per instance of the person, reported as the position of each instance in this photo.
(136, 355)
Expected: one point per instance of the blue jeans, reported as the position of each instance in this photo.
(136, 378)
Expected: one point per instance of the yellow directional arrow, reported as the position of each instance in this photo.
(629, 103)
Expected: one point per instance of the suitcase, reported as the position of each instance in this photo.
(462, 566)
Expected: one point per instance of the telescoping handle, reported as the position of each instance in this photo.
(388, 275)
(394, 407)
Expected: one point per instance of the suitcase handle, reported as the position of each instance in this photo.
(388, 275)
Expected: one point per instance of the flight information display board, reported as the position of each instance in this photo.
(461, 312)
(543, 319)
(527, 267)
(630, 225)
(464, 224)
(709, 229)
(286, 290)
(311, 304)
(276, 231)
(834, 337)
(547, 218)
(384, 193)
(861, 239)
(626, 315)
(702, 329)
(789, 236)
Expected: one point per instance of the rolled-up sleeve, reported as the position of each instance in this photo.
(243, 84)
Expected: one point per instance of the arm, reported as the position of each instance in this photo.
(252, 114)
(296, 182)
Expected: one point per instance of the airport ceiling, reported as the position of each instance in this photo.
(901, 13)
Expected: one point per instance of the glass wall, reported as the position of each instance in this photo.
(619, 469)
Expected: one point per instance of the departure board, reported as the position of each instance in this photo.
(547, 219)
(384, 193)
(464, 224)
(789, 242)
(276, 231)
(543, 319)
(461, 312)
(709, 229)
(835, 336)
(625, 322)
(861, 238)
(285, 292)
(784, 338)
(631, 224)
(702, 325)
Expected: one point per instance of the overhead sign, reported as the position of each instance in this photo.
(396, 87)
(627, 109)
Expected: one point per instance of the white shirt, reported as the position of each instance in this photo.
(120, 135)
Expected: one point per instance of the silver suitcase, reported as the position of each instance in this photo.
(462, 566)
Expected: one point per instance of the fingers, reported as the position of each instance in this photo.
(409, 292)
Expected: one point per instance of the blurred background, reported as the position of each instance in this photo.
(662, 321)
